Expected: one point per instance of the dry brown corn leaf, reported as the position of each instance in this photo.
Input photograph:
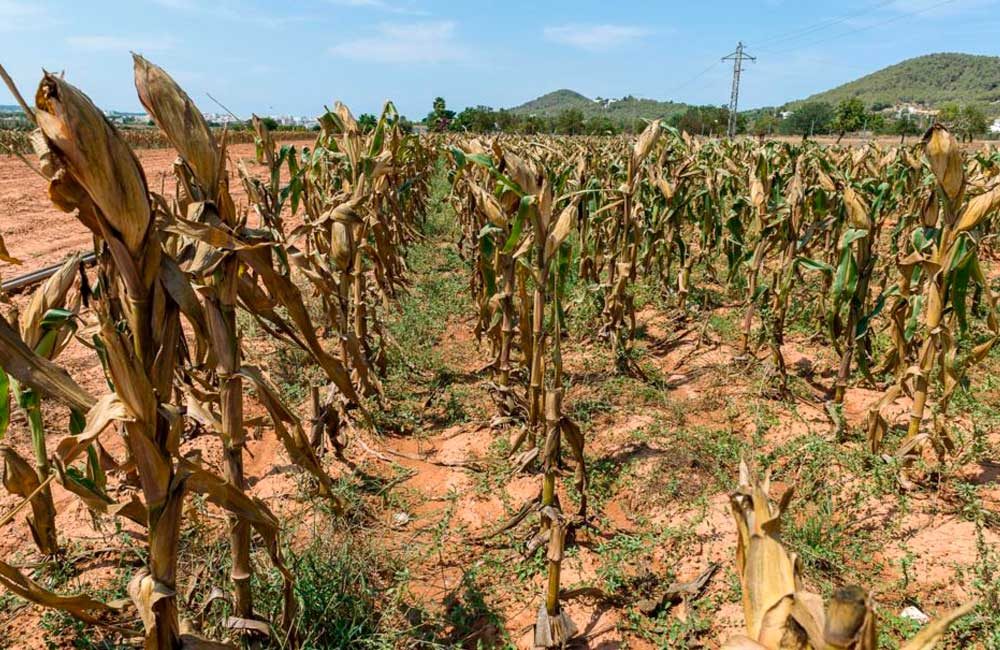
(146, 592)
(181, 121)
(18, 476)
(645, 143)
(768, 573)
(79, 607)
(109, 408)
(247, 508)
(977, 209)
(30, 369)
(5, 255)
(296, 442)
(850, 620)
(741, 642)
(132, 509)
(289, 296)
(561, 230)
(51, 295)
(97, 157)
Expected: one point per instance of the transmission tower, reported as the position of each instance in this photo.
(737, 57)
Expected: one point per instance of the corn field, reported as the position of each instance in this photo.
(867, 238)
(881, 253)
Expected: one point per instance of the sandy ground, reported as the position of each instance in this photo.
(39, 235)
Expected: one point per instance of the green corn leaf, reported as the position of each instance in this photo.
(813, 265)
(518, 226)
(845, 280)
(852, 235)
(94, 470)
(4, 403)
(459, 156)
(914, 320)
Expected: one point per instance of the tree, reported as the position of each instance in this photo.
(532, 125)
(948, 115)
(903, 126)
(507, 121)
(765, 124)
(440, 118)
(972, 122)
(966, 121)
(703, 120)
(601, 125)
(570, 121)
(367, 122)
(874, 122)
(809, 119)
(478, 119)
(849, 116)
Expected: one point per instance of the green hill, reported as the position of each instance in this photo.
(929, 80)
(626, 108)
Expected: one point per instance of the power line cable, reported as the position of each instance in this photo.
(815, 27)
(696, 77)
(857, 30)
(784, 36)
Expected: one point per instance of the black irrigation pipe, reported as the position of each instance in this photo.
(30, 279)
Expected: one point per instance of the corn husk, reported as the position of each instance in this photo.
(945, 157)
(181, 121)
(97, 158)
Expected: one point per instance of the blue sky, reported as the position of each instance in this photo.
(294, 57)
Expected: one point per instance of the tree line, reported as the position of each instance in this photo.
(806, 120)
(852, 116)
(702, 120)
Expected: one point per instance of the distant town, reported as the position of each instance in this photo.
(13, 117)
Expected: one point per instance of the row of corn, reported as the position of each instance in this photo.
(857, 242)
(862, 241)
(160, 313)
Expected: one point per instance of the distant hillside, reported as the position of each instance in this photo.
(929, 80)
(9, 108)
(626, 108)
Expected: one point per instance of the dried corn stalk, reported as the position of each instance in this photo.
(780, 613)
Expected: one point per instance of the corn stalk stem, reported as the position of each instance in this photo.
(149, 444)
(552, 593)
(937, 284)
(42, 507)
(507, 325)
(234, 441)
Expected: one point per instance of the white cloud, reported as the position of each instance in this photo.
(100, 43)
(594, 37)
(16, 15)
(425, 42)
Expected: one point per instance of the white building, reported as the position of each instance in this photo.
(221, 118)
(995, 127)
